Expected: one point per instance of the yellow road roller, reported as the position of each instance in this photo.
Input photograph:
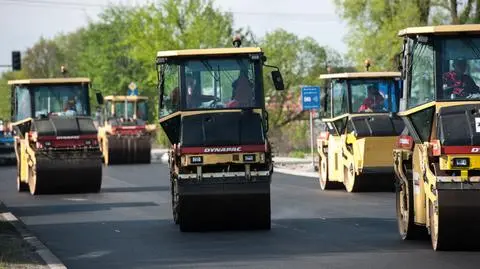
(437, 160)
(213, 111)
(55, 139)
(124, 134)
(361, 128)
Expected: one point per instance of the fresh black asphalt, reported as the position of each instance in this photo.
(129, 225)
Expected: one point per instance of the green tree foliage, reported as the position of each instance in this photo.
(5, 92)
(121, 47)
(301, 61)
(374, 24)
(43, 60)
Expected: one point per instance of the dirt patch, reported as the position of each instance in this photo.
(15, 253)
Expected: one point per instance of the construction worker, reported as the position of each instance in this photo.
(243, 93)
(373, 102)
(456, 83)
(70, 109)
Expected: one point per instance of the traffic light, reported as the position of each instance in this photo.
(16, 61)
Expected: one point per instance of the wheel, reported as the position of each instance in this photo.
(95, 187)
(32, 181)
(325, 183)
(264, 216)
(21, 186)
(105, 152)
(184, 215)
(351, 182)
(434, 227)
(175, 200)
(405, 213)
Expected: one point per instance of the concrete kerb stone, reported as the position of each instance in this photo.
(45, 254)
(161, 156)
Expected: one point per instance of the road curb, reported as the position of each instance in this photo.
(45, 254)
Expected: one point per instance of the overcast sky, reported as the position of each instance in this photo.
(22, 22)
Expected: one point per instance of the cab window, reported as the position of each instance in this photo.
(373, 95)
(460, 68)
(422, 88)
(340, 98)
(23, 103)
(169, 73)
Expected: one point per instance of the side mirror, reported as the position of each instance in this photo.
(99, 98)
(278, 80)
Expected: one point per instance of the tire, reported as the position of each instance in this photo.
(351, 181)
(21, 186)
(175, 207)
(33, 184)
(405, 214)
(325, 183)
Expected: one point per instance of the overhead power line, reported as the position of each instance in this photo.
(82, 5)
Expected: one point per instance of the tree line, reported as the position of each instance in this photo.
(121, 47)
(374, 24)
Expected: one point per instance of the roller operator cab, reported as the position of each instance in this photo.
(7, 151)
(124, 134)
(213, 112)
(437, 162)
(55, 138)
(361, 128)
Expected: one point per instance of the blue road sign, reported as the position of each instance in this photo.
(132, 89)
(310, 97)
(133, 92)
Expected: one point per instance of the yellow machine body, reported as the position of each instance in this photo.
(56, 148)
(355, 149)
(124, 135)
(213, 113)
(437, 161)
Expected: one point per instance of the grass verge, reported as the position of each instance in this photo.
(15, 253)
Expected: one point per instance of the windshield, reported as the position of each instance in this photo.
(220, 83)
(126, 109)
(68, 100)
(460, 68)
(374, 95)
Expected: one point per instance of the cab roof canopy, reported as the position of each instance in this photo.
(124, 97)
(49, 81)
(208, 52)
(361, 75)
(441, 30)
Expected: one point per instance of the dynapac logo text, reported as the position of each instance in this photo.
(67, 137)
(475, 150)
(229, 149)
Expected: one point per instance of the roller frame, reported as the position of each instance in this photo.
(451, 203)
(60, 171)
(218, 201)
(354, 177)
(129, 149)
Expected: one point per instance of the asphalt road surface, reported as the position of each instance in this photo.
(129, 225)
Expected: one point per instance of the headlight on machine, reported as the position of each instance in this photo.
(461, 162)
(196, 159)
(249, 157)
